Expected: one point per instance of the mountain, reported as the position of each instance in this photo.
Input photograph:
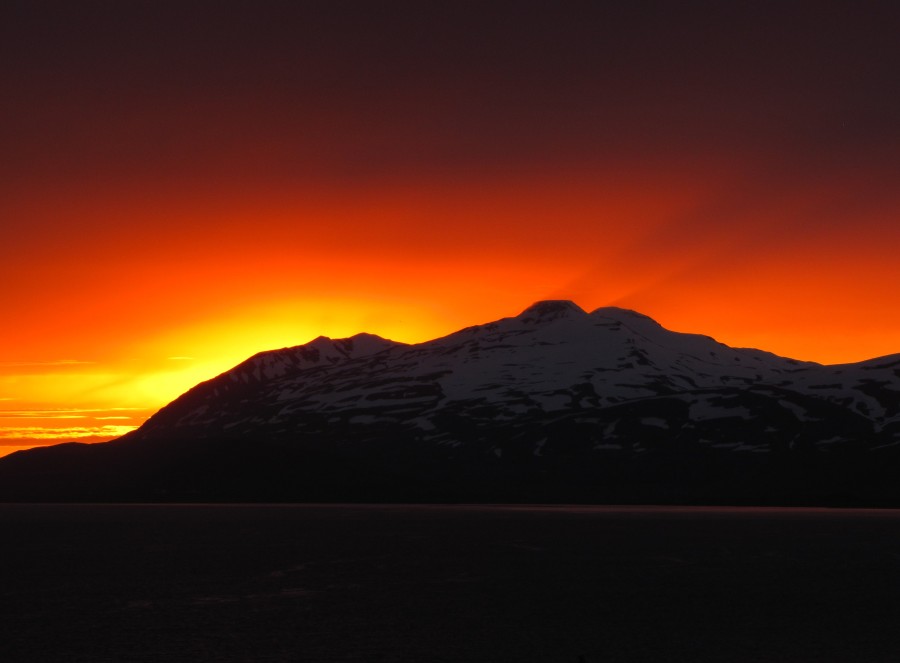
(555, 404)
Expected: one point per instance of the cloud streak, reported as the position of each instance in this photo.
(57, 362)
(64, 413)
(16, 436)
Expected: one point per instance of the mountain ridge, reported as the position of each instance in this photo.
(554, 404)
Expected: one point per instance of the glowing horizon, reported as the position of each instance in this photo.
(114, 398)
(183, 188)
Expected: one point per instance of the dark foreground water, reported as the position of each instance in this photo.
(418, 583)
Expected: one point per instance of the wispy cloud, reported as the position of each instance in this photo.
(66, 413)
(55, 362)
(24, 414)
(178, 358)
(15, 436)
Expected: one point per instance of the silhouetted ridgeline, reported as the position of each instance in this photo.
(553, 405)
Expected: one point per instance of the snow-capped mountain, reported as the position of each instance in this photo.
(616, 373)
(553, 403)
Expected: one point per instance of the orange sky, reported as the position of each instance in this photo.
(185, 188)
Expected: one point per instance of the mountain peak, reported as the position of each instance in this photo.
(551, 309)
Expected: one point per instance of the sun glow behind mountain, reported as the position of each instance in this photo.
(182, 188)
(108, 397)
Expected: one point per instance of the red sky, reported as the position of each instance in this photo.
(186, 183)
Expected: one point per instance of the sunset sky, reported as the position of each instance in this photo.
(185, 183)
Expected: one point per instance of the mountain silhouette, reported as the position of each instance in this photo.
(553, 405)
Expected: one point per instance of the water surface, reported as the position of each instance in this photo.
(447, 583)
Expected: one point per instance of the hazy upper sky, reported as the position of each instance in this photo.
(184, 183)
